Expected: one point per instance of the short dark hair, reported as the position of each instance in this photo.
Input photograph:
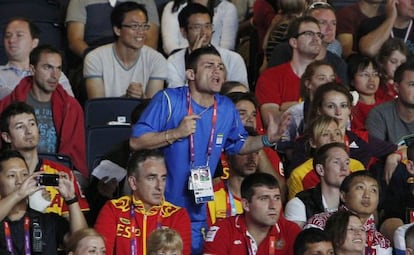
(308, 236)
(321, 154)
(33, 29)
(337, 226)
(236, 97)
(257, 180)
(45, 48)
(357, 63)
(14, 109)
(140, 156)
(191, 9)
(293, 29)
(9, 154)
(407, 66)
(346, 183)
(192, 60)
(118, 13)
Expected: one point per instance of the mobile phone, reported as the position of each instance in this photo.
(48, 180)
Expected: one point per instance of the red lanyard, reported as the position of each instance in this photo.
(9, 242)
(213, 129)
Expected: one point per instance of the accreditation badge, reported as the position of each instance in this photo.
(202, 184)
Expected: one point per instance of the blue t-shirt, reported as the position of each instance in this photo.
(163, 114)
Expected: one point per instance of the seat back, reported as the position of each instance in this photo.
(101, 139)
(101, 111)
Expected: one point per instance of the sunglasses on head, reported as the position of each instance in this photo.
(316, 5)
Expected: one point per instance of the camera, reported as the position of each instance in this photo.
(48, 180)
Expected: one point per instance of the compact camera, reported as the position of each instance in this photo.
(48, 180)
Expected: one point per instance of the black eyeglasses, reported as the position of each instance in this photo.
(137, 26)
(311, 34)
(316, 5)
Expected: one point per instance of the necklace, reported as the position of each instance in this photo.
(203, 111)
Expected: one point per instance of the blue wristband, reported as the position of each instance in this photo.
(266, 142)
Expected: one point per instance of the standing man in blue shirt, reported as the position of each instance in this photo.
(192, 125)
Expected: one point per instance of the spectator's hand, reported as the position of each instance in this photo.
(107, 188)
(66, 187)
(187, 126)
(391, 9)
(391, 163)
(199, 42)
(29, 186)
(276, 129)
(135, 90)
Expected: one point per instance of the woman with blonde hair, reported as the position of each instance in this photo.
(165, 241)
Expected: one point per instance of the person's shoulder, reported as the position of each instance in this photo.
(226, 53)
(225, 5)
(224, 100)
(123, 203)
(50, 166)
(384, 107)
(305, 166)
(334, 59)
(101, 50)
(151, 52)
(345, 10)
(318, 220)
(220, 185)
(232, 223)
(173, 93)
(272, 71)
(177, 56)
(169, 209)
(376, 20)
(287, 224)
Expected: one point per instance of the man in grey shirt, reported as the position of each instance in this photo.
(394, 121)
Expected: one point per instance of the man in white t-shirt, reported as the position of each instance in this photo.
(126, 67)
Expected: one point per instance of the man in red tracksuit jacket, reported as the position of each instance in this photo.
(127, 222)
(261, 229)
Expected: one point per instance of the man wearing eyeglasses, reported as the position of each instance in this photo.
(325, 14)
(126, 67)
(196, 27)
(278, 87)
(396, 22)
